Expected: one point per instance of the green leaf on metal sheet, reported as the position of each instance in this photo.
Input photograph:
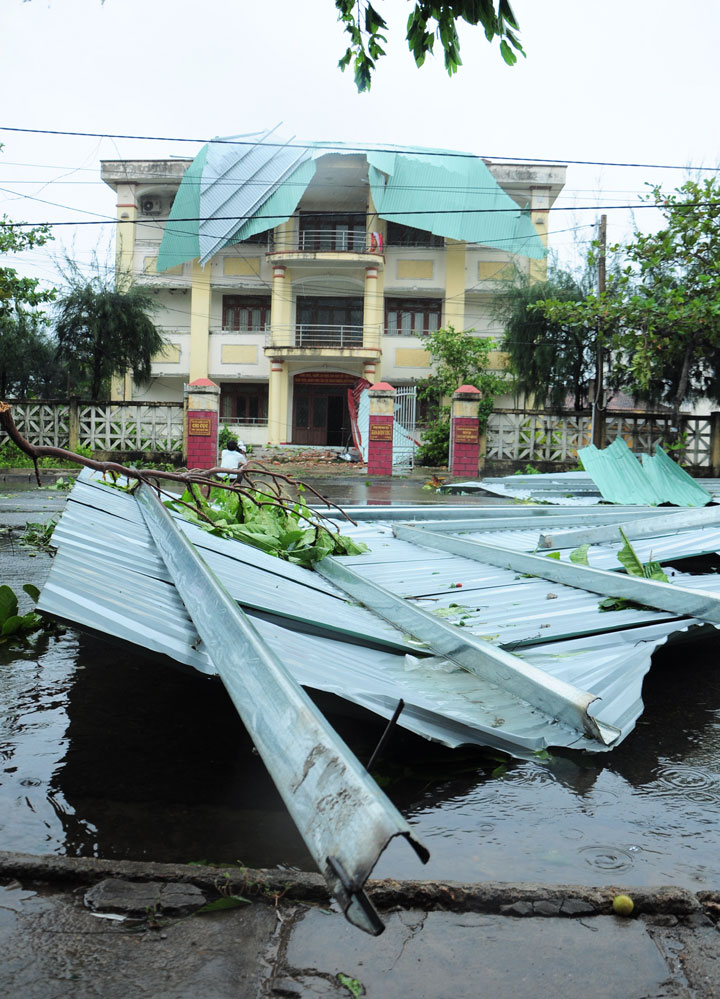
(580, 555)
(634, 567)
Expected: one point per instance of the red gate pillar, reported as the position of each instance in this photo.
(380, 433)
(464, 432)
(202, 405)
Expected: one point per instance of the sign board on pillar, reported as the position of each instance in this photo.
(381, 431)
(199, 426)
(467, 435)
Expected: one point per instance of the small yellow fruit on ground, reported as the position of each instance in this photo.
(623, 905)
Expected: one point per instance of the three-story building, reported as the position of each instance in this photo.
(286, 273)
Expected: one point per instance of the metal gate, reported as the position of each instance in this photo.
(405, 444)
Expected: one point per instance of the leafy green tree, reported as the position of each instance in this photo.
(427, 22)
(662, 320)
(25, 351)
(103, 331)
(458, 358)
(28, 366)
(18, 292)
(549, 359)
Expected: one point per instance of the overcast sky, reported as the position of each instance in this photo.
(629, 81)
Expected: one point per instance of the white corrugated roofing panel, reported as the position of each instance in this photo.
(107, 576)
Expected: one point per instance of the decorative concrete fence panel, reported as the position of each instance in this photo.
(129, 426)
(519, 436)
(643, 431)
(42, 423)
(102, 426)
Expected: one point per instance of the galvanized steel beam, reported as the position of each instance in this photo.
(546, 693)
(664, 596)
(636, 528)
(499, 522)
(476, 516)
(343, 816)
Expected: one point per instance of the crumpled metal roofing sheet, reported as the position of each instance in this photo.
(232, 191)
(556, 627)
(466, 201)
(672, 482)
(621, 478)
(238, 180)
(266, 584)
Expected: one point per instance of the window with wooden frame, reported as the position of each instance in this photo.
(244, 402)
(246, 313)
(412, 316)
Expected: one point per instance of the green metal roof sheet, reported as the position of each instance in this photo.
(180, 240)
(672, 481)
(463, 199)
(621, 478)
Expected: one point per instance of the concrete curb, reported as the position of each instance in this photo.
(504, 898)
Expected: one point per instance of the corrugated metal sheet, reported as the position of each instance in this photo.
(554, 627)
(465, 200)
(266, 583)
(238, 181)
(231, 192)
(621, 478)
(342, 815)
(672, 482)
(180, 241)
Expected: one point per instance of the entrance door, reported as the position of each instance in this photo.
(321, 415)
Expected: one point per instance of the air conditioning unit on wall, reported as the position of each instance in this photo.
(150, 206)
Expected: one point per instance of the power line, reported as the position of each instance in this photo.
(339, 146)
(365, 214)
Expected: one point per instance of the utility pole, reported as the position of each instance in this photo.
(598, 421)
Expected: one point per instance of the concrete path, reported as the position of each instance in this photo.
(77, 928)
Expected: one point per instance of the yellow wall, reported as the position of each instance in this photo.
(409, 358)
(239, 353)
(150, 267)
(422, 269)
(242, 266)
(373, 307)
(277, 402)
(454, 285)
(495, 270)
(170, 354)
(199, 321)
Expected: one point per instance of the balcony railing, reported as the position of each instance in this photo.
(305, 336)
(327, 241)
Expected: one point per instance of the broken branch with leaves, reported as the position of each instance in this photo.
(260, 507)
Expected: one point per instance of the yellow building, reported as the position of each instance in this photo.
(286, 273)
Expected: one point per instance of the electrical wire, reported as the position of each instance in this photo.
(358, 148)
(365, 214)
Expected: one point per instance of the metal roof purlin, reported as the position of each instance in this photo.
(344, 818)
(635, 528)
(545, 693)
(665, 596)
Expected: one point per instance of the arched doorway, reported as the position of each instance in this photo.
(320, 409)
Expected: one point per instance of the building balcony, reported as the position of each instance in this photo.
(308, 340)
(342, 247)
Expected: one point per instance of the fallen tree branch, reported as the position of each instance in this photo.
(190, 478)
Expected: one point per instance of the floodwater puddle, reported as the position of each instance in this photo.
(107, 753)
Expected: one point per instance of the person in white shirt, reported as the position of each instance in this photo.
(234, 456)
